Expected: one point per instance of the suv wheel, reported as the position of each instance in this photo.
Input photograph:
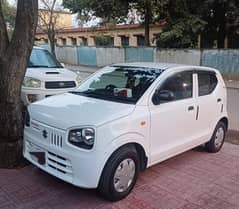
(120, 174)
(217, 140)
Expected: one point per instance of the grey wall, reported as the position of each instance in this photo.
(107, 56)
(191, 57)
(227, 61)
(67, 55)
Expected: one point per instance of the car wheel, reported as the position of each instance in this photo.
(217, 140)
(120, 174)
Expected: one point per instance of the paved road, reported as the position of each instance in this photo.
(233, 94)
(193, 180)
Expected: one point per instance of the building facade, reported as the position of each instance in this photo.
(61, 19)
(110, 36)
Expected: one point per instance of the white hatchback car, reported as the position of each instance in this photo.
(45, 77)
(123, 119)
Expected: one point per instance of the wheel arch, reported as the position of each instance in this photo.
(225, 121)
(143, 158)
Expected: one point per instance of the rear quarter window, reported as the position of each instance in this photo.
(207, 82)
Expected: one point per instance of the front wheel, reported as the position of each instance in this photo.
(218, 138)
(120, 174)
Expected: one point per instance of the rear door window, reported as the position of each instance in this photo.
(207, 82)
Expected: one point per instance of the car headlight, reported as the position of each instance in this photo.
(82, 137)
(78, 79)
(31, 82)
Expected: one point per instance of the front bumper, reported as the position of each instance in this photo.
(79, 167)
(40, 94)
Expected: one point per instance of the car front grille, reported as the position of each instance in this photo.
(56, 139)
(59, 84)
(59, 164)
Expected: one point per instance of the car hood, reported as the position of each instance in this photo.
(70, 110)
(43, 74)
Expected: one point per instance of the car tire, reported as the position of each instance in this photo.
(216, 142)
(120, 174)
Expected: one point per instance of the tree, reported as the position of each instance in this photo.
(14, 55)
(115, 11)
(9, 13)
(149, 11)
(182, 24)
(222, 17)
(186, 20)
(48, 19)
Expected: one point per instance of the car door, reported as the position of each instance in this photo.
(210, 103)
(173, 123)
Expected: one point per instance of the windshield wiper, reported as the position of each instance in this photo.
(88, 92)
(56, 66)
(38, 66)
(91, 93)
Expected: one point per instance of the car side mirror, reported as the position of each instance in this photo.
(62, 64)
(162, 96)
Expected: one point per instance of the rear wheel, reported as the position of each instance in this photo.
(218, 138)
(120, 174)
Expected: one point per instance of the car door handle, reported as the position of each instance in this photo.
(190, 108)
(219, 100)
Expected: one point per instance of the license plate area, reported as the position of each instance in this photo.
(37, 154)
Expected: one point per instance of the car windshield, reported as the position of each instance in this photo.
(119, 83)
(42, 58)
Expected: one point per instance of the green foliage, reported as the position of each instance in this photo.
(222, 19)
(182, 25)
(9, 13)
(108, 10)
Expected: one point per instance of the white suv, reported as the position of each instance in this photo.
(45, 77)
(123, 119)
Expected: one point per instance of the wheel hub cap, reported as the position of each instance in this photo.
(219, 137)
(124, 175)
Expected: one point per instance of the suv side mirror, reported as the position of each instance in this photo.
(162, 96)
(62, 64)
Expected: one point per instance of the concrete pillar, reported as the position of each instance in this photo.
(226, 43)
(133, 40)
(79, 41)
(91, 41)
(152, 39)
(68, 41)
(117, 41)
(59, 41)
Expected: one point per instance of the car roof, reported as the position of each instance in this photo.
(164, 66)
(161, 66)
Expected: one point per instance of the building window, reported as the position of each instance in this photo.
(140, 40)
(124, 41)
(64, 41)
(84, 41)
(73, 41)
(105, 41)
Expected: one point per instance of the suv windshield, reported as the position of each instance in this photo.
(119, 83)
(43, 58)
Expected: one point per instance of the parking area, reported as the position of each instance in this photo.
(193, 180)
